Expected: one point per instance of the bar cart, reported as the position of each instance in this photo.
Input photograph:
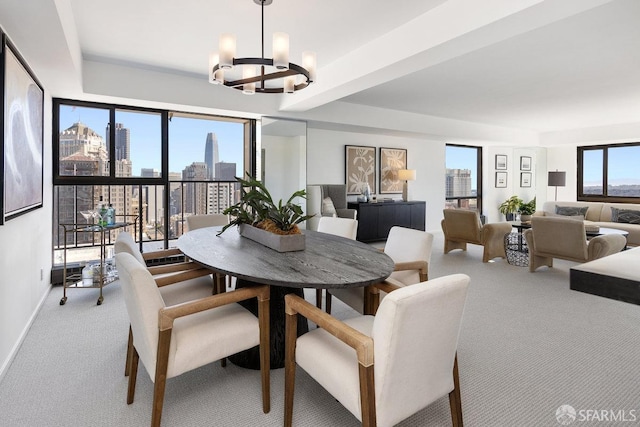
(101, 280)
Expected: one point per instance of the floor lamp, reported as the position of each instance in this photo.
(406, 175)
(557, 179)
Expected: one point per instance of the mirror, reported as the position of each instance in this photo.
(283, 157)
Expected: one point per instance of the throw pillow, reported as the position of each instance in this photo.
(328, 209)
(627, 216)
(572, 210)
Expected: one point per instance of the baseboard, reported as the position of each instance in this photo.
(14, 351)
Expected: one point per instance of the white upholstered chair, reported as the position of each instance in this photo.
(404, 358)
(410, 250)
(344, 227)
(172, 340)
(178, 282)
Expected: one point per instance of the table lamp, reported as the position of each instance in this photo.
(406, 175)
(557, 179)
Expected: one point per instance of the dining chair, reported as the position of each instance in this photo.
(344, 227)
(211, 220)
(172, 340)
(177, 282)
(410, 250)
(405, 356)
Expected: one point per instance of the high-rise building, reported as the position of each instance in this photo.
(80, 139)
(211, 155)
(195, 193)
(225, 171)
(221, 196)
(149, 173)
(123, 142)
(458, 182)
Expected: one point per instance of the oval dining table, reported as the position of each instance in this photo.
(327, 262)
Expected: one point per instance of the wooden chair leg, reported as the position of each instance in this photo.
(129, 351)
(291, 332)
(455, 401)
(162, 363)
(265, 358)
(319, 298)
(133, 373)
(367, 395)
(327, 304)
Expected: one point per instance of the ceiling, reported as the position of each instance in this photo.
(536, 65)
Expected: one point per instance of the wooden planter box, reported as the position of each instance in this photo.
(277, 242)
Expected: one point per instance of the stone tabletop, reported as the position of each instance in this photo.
(327, 262)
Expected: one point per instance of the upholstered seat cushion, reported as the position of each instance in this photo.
(337, 370)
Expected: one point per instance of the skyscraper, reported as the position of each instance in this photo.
(211, 155)
(195, 193)
(225, 171)
(458, 182)
(123, 142)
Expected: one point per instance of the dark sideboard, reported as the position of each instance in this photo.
(376, 219)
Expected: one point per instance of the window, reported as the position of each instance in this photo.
(157, 165)
(609, 172)
(463, 177)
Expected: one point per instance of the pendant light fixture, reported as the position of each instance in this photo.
(261, 75)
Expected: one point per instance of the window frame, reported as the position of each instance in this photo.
(478, 196)
(604, 197)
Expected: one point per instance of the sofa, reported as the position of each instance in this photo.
(600, 214)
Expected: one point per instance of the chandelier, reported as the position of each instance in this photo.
(262, 75)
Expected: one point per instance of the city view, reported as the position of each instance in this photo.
(205, 155)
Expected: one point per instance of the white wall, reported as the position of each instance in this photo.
(326, 157)
(25, 251)
(564, 158)
(285, 166)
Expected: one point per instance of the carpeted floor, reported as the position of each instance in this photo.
(528, 345)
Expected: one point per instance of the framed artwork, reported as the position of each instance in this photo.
(501, 180)
(21, 145)
(360, 168)
(525, 163)
(525, 179)
(501, 162)
(391, 161)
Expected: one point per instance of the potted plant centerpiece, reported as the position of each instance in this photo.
(259, 218)
(526, 210)
(509, 207)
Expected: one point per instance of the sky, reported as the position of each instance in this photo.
(463, 158)
(187, 136)
(622, 169)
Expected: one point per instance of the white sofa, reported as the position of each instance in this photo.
(599, 213)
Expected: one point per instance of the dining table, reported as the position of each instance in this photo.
(327, 262)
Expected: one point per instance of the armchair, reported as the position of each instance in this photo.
(557, 237)
(404, 358)
(327, 200)
(463, 226)
(176, 339)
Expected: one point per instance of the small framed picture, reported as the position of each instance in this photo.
(501, 179)
(501, 162)
(525, 179)
(525, 163)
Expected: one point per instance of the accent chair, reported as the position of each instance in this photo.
(462, 226)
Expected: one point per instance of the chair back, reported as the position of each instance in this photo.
(415, 335)
(564, 237)
(462, 225)
(344, 227)
(337, 192)
(143, 301)
(201, 221)
(125, 243)
(405, 245)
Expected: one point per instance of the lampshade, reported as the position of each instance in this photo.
(557, 179)
(407, 174)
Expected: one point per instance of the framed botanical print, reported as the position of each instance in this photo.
(501, 162)
(525, 179)
(360, 168)
(391, 161)
(21, 143)
(501, 180)
(525, 163)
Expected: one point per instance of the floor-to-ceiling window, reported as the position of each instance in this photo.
(156, 166)
(609, 172)
(463, 177)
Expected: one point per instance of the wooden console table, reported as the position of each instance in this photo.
(376, 219)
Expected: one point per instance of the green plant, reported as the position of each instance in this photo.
(528, 208)
(256, 207)
(510, 205)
